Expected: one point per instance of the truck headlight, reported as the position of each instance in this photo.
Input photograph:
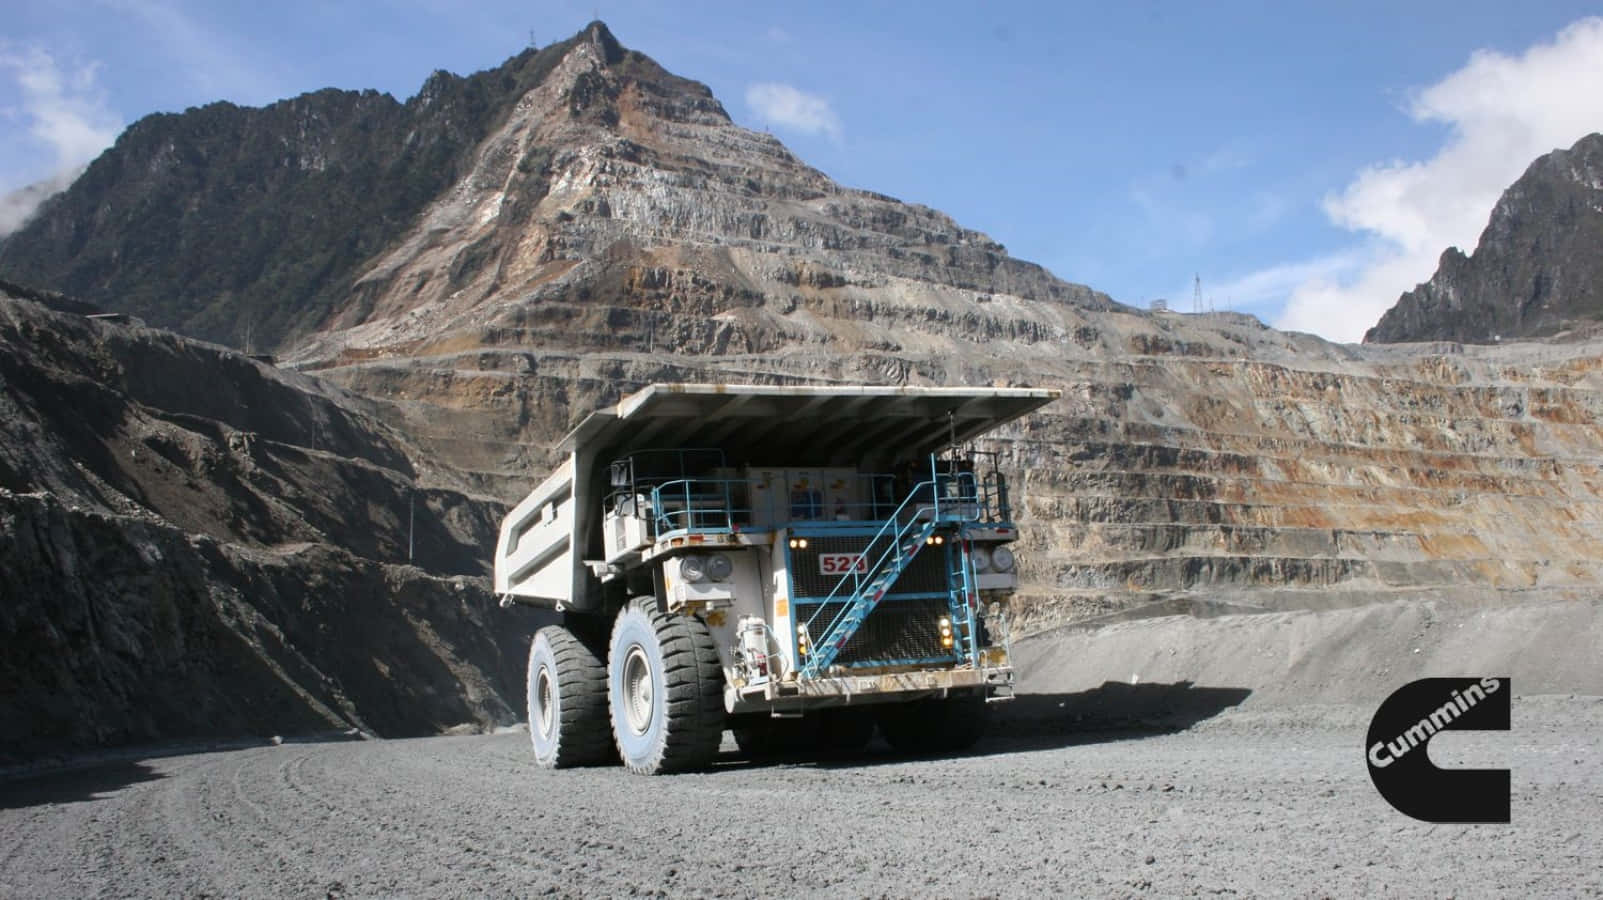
(718, 567)
(982, 559)
(945, 625)
(693, 569)
(1002, 559)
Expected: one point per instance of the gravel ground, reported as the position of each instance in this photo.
(1242, 801)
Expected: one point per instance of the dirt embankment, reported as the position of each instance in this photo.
(1358, 654)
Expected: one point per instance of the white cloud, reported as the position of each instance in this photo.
(64, 111)
(1503, 112)
(17, 206)
(787, 107)
(1270, 286)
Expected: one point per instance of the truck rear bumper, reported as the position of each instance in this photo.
(885, 687)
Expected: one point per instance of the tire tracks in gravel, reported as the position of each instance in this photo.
(139, 848)
(1252, 802)
(185, 831)
(404, 811)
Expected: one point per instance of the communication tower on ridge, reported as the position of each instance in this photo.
(1197, 306)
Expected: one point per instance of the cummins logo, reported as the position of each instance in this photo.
(1400, 765)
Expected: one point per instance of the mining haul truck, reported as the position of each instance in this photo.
(799, 565)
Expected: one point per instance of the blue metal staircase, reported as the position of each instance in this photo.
(964, 599)
(909, 539)
(910, 529)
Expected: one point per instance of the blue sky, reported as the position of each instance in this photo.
(1309, 164)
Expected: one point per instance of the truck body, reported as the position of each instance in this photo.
(829, 555)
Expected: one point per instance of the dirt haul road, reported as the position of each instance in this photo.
(1241, 801)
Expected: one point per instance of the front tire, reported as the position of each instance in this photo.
(567, 701)
(665, 691)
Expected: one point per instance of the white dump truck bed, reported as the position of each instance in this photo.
(544, 541)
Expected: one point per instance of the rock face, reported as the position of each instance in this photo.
(606, 226)
(552, 180)
(1537, 270)
(193, 544)
(249, 225)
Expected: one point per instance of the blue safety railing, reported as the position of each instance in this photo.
(724, 505)
(654, 485)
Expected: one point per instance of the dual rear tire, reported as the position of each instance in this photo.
(652, 696)
(567, 697)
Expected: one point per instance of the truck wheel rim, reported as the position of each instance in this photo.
(542, 699)
(637, 689)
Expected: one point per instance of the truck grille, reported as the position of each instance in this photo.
(926, 574)
(897, 631)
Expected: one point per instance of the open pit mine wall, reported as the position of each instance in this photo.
(194, 545)
(1279, 485)
(120, 630)
(1262, 472)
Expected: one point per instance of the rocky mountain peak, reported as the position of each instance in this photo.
(600, 37)
(576, 180)
(1536, 270)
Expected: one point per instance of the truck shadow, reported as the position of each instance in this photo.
(94, 775)
(1115, 711)
(73, 786)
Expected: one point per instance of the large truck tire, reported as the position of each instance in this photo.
(567, 696)
(665, 691)
(934, 725)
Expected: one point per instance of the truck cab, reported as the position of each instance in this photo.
(800, 564)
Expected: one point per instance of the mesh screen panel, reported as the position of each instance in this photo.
(899, 630)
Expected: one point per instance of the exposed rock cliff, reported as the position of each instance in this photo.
(195, 544)
(1538, 269)
(248, 225)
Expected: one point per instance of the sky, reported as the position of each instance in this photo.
(1306, 164)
